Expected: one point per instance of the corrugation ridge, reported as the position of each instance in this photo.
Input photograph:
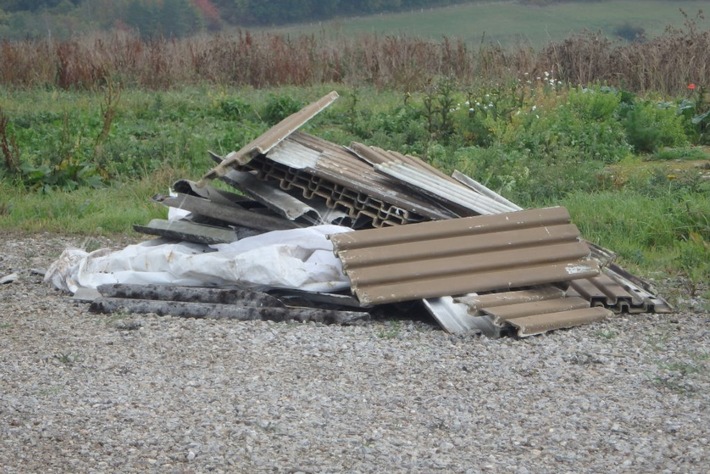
(516, 277)
(441, 188)
(448, 246)
(451, 228)
(512, 311)
(463, 264)
(538, 324)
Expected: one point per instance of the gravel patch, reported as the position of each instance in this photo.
(82, 392)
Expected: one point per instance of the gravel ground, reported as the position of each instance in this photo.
(81, 392)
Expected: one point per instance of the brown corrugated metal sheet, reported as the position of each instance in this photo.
(533, 311)
(603, 291)
(540, 323)
(465, 255)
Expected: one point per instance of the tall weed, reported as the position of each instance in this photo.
(666, 64)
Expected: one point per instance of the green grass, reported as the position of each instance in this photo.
(510, 23)
(682, 154)
(85, 211)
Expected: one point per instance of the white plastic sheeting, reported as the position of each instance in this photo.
(296, 258)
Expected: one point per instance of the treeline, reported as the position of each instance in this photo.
(20, 19)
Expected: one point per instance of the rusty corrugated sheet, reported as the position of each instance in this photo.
(464, 255)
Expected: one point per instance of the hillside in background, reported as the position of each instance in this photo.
(511, 22)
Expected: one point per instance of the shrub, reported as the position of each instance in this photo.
(583, 128)
(651, 126)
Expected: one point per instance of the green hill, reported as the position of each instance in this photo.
(511, 23)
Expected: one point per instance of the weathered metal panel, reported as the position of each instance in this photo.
(481, 262)
(480, 188)
(644, 296)
(227, 213)
(540, 323)
(375, 156)
(275, 135)
(206, 191)
(454, 227)
(531, 311)
(188, 231)
(519, 310)
(405, 288)
(602, 291)
(476, 303)
(454, 317)
(335, 194)
(478, 260)
(456, 245)
(612, 290)
(347, 183)
(441, 188)
(272, 197)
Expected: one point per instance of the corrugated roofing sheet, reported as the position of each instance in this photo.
(371, 187)
(315, 168)
(465, 255)
(275, 135)
(532, 311)
(443, 189)
(480, 188)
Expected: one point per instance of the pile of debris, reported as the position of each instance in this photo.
(399, 229)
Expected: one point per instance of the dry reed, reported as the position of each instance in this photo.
(665, 64)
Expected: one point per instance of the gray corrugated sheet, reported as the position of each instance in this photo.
(231, 214)
(275, 135)
(377, 156)
(465, 255)
(319, 169)
(480, 188)
(272, 197)
(440, 188)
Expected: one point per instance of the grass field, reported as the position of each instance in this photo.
(510, 23)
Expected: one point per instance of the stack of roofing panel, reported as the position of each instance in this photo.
(500, 252)
(481, 263)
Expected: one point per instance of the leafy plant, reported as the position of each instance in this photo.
(696, 113)
(278, 107)
(651, 126)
